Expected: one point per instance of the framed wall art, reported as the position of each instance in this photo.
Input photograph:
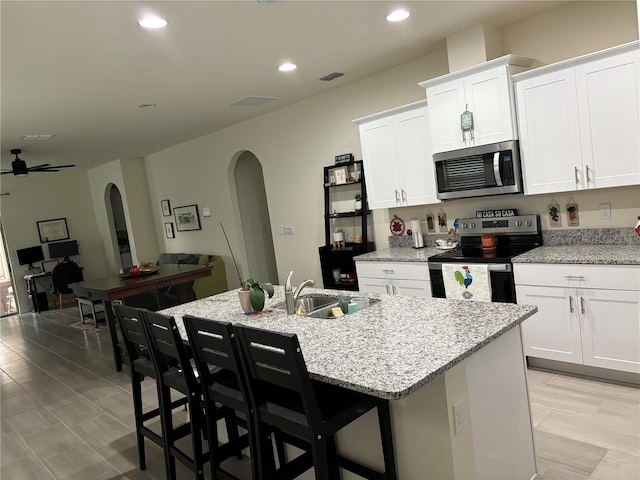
(187, 218)
(168, 230)
(53, 230)
(166, 208)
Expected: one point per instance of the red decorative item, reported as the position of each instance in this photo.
(396, 226)
(638, 227)
(134, 270)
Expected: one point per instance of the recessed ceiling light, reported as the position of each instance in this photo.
(287, 67)
(152, 21)
(398, 15)
(145, 106)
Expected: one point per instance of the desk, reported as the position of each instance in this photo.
(115, 288)
(32, 289)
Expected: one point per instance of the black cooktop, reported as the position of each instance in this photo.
(474, 254)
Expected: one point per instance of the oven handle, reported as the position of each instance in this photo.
(496, 168)
(493, 267)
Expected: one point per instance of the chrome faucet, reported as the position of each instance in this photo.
(291, 296)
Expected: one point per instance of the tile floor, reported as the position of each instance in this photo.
(65, 414)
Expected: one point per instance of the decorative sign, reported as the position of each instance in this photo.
(344, 158)
(573, 219)
(508, 212)
(555, 220)
(431, 226)
(442, 221)
(53, 230)
(396, 226)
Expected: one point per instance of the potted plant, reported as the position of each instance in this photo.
(358, 203)
(252, 295)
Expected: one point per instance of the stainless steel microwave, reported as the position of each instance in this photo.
(477, 171)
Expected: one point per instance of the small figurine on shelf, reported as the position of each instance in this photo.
(338, 241)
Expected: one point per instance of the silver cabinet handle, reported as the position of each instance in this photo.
(397, 197)
(574, 277)
(575, 173)
(387, 289)
(404, 196)
(570, 304)
(394, 290)
(583, 310)
(388, 271)
(588, 175)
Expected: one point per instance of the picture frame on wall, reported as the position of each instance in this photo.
(166, 208)
(168, 230)
(341, 174)
(187, 218)
(53, 230)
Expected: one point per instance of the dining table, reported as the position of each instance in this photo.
(121, 286)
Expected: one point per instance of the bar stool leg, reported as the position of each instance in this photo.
(386, 435)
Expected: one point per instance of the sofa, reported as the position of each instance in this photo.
(192, 290)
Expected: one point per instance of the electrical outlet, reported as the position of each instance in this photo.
(605, 211)
(285, 229)
(459, 416)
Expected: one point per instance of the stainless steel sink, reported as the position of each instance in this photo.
(325, 312)
(312, 302)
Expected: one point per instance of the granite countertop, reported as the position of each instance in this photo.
(583, 254)
(399, 254)
(389, 349)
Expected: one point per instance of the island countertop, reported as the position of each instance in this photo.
(390, 349)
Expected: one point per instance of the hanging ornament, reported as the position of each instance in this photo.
(573, 219)
(555, 220)
(431, 225)
(396, 226)
(442, 221)
(466, 124)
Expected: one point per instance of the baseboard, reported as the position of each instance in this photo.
(585, 371)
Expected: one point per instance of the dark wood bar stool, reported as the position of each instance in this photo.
(286, 398)
(166, 344)
(215, 344)
(134, 341)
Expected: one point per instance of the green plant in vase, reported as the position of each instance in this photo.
(254, 298)
(358, 203)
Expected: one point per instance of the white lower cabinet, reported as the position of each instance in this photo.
(587, 315)
(394, 278)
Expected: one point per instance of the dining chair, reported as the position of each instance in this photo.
(165, 343)
(135, 349)
(311, 411)
(214, 343)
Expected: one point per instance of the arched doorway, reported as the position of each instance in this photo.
(254, 218)
(119, 227)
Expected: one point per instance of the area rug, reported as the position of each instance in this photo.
(88, 327)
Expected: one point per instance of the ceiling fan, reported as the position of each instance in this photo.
(19, 167)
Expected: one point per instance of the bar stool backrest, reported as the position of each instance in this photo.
(132, 329)
(214, 344)
(277, 372)
(165, 344)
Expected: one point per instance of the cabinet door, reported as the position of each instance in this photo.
(549, 133)
(412, 288)
(554, 331)
(490, 100)
(379, 157)
(446, 103)
(374, 285)
(611, 328)
(609, 105)
(416, 172)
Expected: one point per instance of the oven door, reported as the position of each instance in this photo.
(503, 287)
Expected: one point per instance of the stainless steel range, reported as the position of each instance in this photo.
(493, 242)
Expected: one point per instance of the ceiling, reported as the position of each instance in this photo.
(79, 69)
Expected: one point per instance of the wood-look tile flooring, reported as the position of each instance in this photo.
(66, 414)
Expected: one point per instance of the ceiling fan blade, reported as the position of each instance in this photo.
(39, 166)
(5, 172)
(45, 170)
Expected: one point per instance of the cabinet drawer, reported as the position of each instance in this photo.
(399, 270)
(607, 277)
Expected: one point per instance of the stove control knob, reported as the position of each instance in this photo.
(528, 223)
(518, 223)
(464, 225)
(473, 225)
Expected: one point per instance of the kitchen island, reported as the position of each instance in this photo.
(425, 355)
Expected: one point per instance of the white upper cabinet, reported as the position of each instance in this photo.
(485, 91)
(579, 122)
(396, 151)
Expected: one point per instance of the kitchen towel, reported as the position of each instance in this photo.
(467, 282)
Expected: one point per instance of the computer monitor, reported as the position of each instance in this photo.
(63, 249)
(31, 255)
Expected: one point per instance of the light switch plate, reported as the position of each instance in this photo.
(286, 229)
(206, 212)
(605, 211)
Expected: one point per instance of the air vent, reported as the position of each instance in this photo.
(331, 76)
(252, 101)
